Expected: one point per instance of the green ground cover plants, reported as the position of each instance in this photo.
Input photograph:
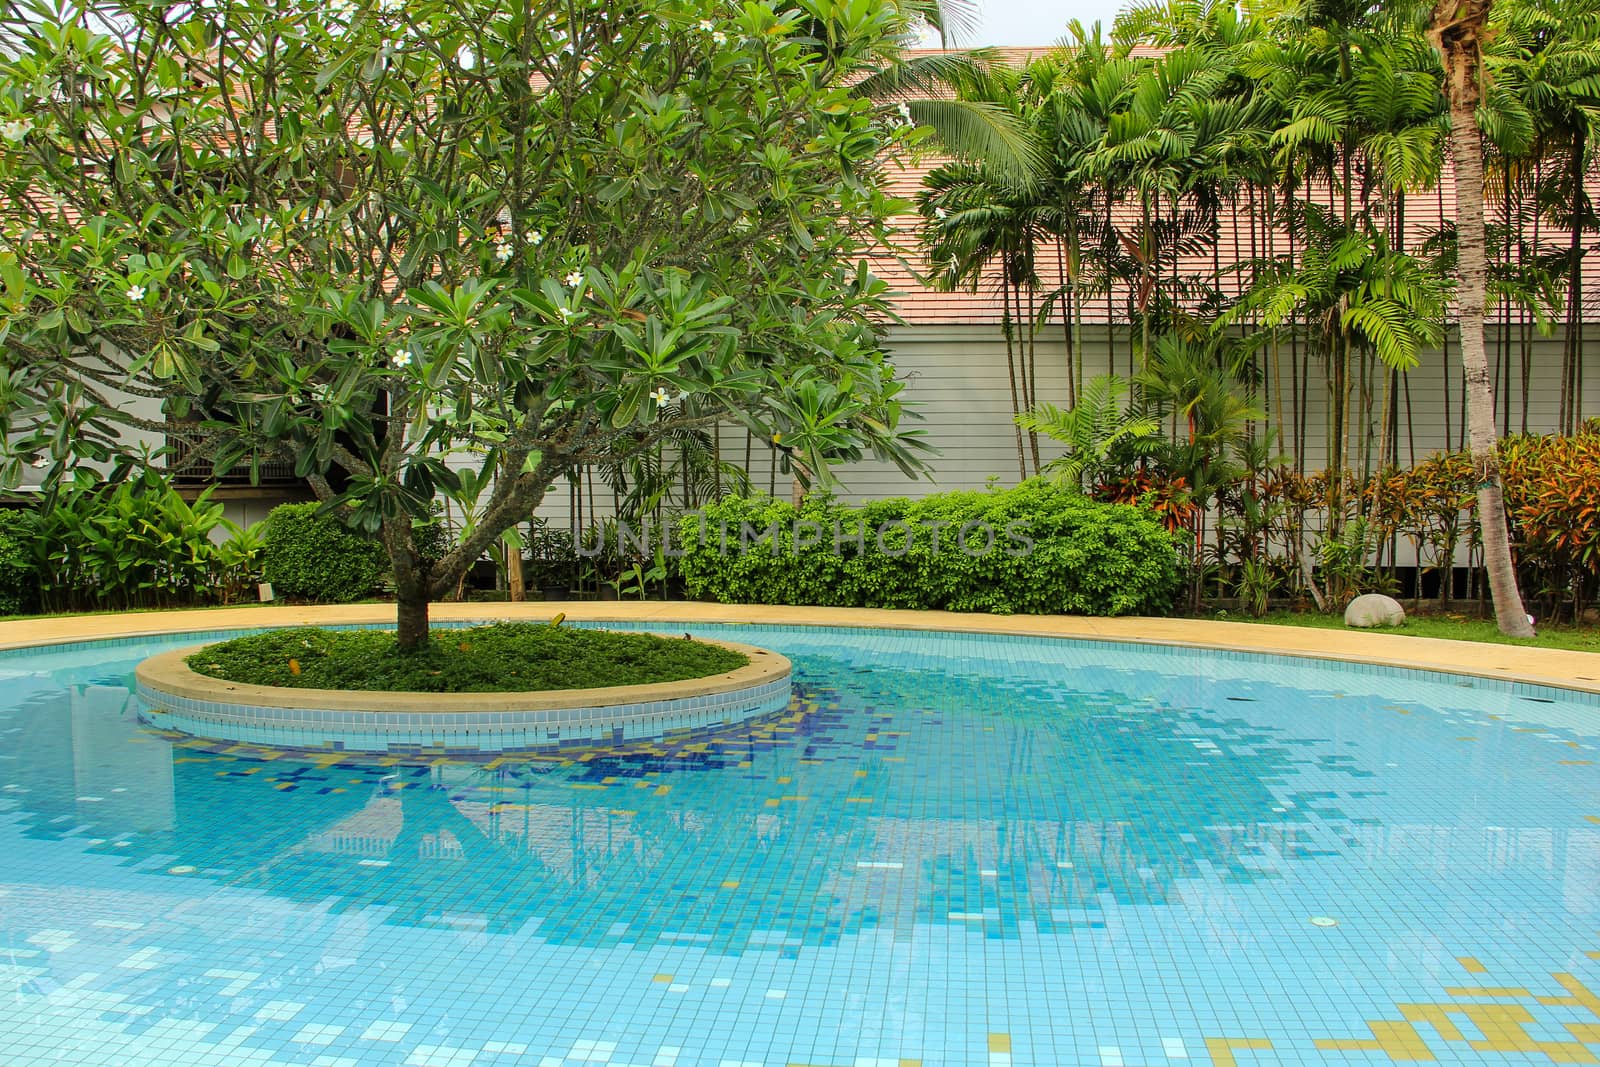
(498, 658)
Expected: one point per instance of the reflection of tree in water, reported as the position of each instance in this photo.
(889, 798)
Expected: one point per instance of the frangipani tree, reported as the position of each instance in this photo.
(363, 235)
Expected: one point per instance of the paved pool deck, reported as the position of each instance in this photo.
(1539, 666)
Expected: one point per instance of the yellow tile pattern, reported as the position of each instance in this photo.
(1223, 1048)
(1483, 1027)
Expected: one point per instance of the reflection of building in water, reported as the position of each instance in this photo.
(903, 870)
(114, 760)
(369, 832)
(91, 765)
(465, 840)
(564, 839)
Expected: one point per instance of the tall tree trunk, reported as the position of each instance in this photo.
(1066, 319)
(1011, 371)
(1572, 380)
(412, 582)
(1031, 387)
(1147, 293)
(1455, 30)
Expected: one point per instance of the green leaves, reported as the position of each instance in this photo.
(139, 543)
(1091, 429)
(1354, 285)
(1038, 548)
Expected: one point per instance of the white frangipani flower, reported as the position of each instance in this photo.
(466, 58)
(706, 25)
(16, 129)
(660, 397)
(905, 112)
(536, 238)
(719, 37)
(136, 293)
(574, 278)
(401, 358)
(503, 253)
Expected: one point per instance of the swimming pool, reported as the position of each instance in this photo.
(954, 849)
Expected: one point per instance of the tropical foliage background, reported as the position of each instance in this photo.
(486, 253)
(1236, 191)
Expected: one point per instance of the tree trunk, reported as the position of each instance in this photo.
(411, 620)
(1455, 30)
(411, 584)
(514, 577)
(1031, 383)
(1011, 370)
(1572, 385)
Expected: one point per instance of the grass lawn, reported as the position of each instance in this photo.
(505, 657)
(1453, 627)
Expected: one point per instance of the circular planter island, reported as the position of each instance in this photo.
(176, 697)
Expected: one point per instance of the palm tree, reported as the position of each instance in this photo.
(1456, 30)
(1358, 294)
(977, 225)
(1543, 107)
(936, 91)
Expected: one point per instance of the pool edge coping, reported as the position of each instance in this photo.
(169, 673)
(1560, 669)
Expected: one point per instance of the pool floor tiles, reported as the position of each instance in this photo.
(947, 851)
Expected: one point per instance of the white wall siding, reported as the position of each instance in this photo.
(956, 375)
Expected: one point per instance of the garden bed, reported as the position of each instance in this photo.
(497, 658)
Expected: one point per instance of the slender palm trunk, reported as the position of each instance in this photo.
(1030, 391)
(1455, 31)
(1572, 378)
(1067, 323)
(1011, 370)
(1147, 296)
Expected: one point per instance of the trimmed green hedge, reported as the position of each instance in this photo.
(19, 570)
(1053, 551)
(318, 558)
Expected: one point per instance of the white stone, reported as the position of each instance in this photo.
(1374, 609)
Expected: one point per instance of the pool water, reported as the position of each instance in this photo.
(952, 849)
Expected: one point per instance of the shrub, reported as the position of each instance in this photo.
(135, 543)
(19, 571)
(1552, 493)
(318, 558)
(1035, 549)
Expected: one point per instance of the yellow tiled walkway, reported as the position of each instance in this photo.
(1556, 667)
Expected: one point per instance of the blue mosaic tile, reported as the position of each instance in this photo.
(947, 849)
